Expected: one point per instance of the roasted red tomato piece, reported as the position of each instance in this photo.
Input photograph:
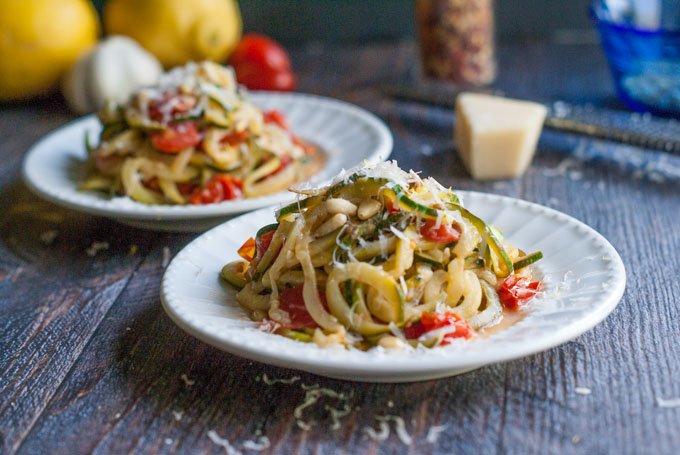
(235, 138)
(277, 118)
(432, 321)
(219, 188)
(176, 137)
(292, 301)
(263, 242)
(445, 233)
(516, 291)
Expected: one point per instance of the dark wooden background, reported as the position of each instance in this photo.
(89, 362)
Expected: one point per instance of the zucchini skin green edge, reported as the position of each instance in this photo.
(491, 240)
(528, 260)
(263, 230)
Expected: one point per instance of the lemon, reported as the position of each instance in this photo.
(39, 41)
(177, 31)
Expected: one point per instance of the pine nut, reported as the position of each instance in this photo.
(331, 224)
(338, 205)
(367, 209)
(390, 342)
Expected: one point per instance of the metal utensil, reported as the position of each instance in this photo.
(558, 123)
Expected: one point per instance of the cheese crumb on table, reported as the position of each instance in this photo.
(496, 137)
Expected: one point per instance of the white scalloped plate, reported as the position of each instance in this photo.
(346, 133)
(583, 278)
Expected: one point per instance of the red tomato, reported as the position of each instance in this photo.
(185, 188)
(235, 138)
(433, 321)
(219, 188)
(176, 137)
(309, 149)
(445, 233)
(263, 243)
(261, 51)
(152, 184)
(285, 162)
(277, 118)
(171, 104)
(292, 301)
(391, 206)
(516, 291)
(256, 77)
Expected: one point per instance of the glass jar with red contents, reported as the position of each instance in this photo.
(457, 40)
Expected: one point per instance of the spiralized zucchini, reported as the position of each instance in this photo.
(380, 257)
(195, 138)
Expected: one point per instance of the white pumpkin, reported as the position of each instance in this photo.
(111, 71)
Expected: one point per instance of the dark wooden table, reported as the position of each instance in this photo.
(89, 362)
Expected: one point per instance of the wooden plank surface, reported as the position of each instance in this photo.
(90, 363)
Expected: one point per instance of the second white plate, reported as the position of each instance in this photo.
(583, 278)
(347, 134)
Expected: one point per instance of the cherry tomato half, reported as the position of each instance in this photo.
(433, 321)
(235, 138)
(176, 137)
(219, 188)
(171, 104)
(292, 301)
(445, 233)
(516, 291)
(277, 118)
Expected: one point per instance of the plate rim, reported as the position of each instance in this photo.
(400, 371)
(139, 211)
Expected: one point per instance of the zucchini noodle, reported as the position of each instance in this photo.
(194, 138)
(377, 255)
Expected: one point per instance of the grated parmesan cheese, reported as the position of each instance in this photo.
(48, 237)
(96, 247)
(583, 390)
(224, 443)
(399, 234)
(434, 432)
(271, 381)
(262, 444)
(668, 403)
(312, 395)
(380, 435)
(384, 432)
(177, 415)
(337, 414)
(187, 381)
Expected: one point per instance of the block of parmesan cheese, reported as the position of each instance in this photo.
(496, 137)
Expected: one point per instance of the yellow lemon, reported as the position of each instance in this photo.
(39, 41)
(177, 31)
